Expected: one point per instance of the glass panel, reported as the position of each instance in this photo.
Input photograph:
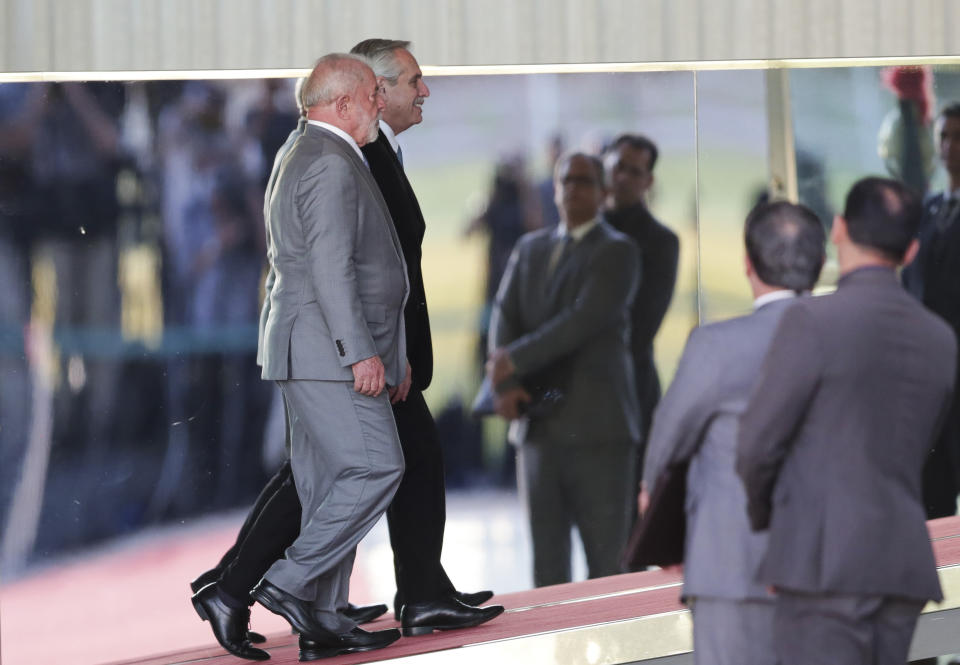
(732, 151)
(134, 428)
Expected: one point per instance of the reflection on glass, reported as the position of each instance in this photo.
(732, 163)
(133, 423)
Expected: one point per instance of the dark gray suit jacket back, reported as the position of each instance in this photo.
(831, 446)
(697, 421)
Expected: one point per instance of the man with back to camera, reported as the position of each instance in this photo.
(333, 340)
(696, 421)
(629, 162)
(932, 278)
(426, 599)
(831, 446)
(561, 318)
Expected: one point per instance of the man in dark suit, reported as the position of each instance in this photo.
(561, 325)
(933, 278)
(697, 422)
(831, 446)
(629, 163)
(426, 599)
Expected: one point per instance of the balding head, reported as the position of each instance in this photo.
(342, 91)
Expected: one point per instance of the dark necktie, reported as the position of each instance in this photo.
(400, 154)
(561, 250)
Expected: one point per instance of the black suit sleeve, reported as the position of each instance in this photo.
(659, 277)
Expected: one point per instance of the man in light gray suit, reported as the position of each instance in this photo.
(559, 333)
(333, 340)
(697, 422)
(849, 400)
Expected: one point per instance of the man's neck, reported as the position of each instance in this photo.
(854, 258)
(613, 207)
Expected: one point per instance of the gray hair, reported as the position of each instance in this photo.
(334, 75)
(381, 54)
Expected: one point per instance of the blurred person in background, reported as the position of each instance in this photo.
(561, 327)
(629, 161)
(76, 156)
(20, 105)
(510, 211)
(934, 278)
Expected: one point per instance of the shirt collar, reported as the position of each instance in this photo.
(579, 232)
(773, 296)
(342, 134)
(391, 136)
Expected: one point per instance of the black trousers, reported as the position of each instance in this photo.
(270, 527)
(418, 514)
(941, 472)
(415, 519)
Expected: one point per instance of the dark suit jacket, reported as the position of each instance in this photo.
(659, 253)
(408, 220)
(696, 421)
(573, 324)
(932, 276)
(831, 445)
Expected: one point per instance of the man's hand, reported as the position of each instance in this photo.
(368, 376)
(500, 367)
(643, 499)
(507, 404)
(399, 393)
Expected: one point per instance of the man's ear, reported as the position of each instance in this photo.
(838, 232)
(342, 105)
(911, 252)
(748, 265)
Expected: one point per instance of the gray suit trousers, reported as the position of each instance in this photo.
(587, 487)
(347, 463)
(733, 632)
(812, 629)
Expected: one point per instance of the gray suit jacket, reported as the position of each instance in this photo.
(831, 446)
(697, 421)
(576, 325)
(271, 276)
(340, 282)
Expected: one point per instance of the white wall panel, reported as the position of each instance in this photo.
(110, 35)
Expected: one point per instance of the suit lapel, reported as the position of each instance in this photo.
(366, 177)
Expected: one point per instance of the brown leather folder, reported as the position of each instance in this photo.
(658, 537)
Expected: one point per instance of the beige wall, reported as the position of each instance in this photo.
(116, 35)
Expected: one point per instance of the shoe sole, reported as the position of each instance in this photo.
(415, 631)
(199, 609)
(317, 654)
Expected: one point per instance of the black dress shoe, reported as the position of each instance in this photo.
(229, 624)
(296, 611)
(364, 613)
(203, 579)
(446, 614)
(211, 576)
(354, 641)
(475, 599)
